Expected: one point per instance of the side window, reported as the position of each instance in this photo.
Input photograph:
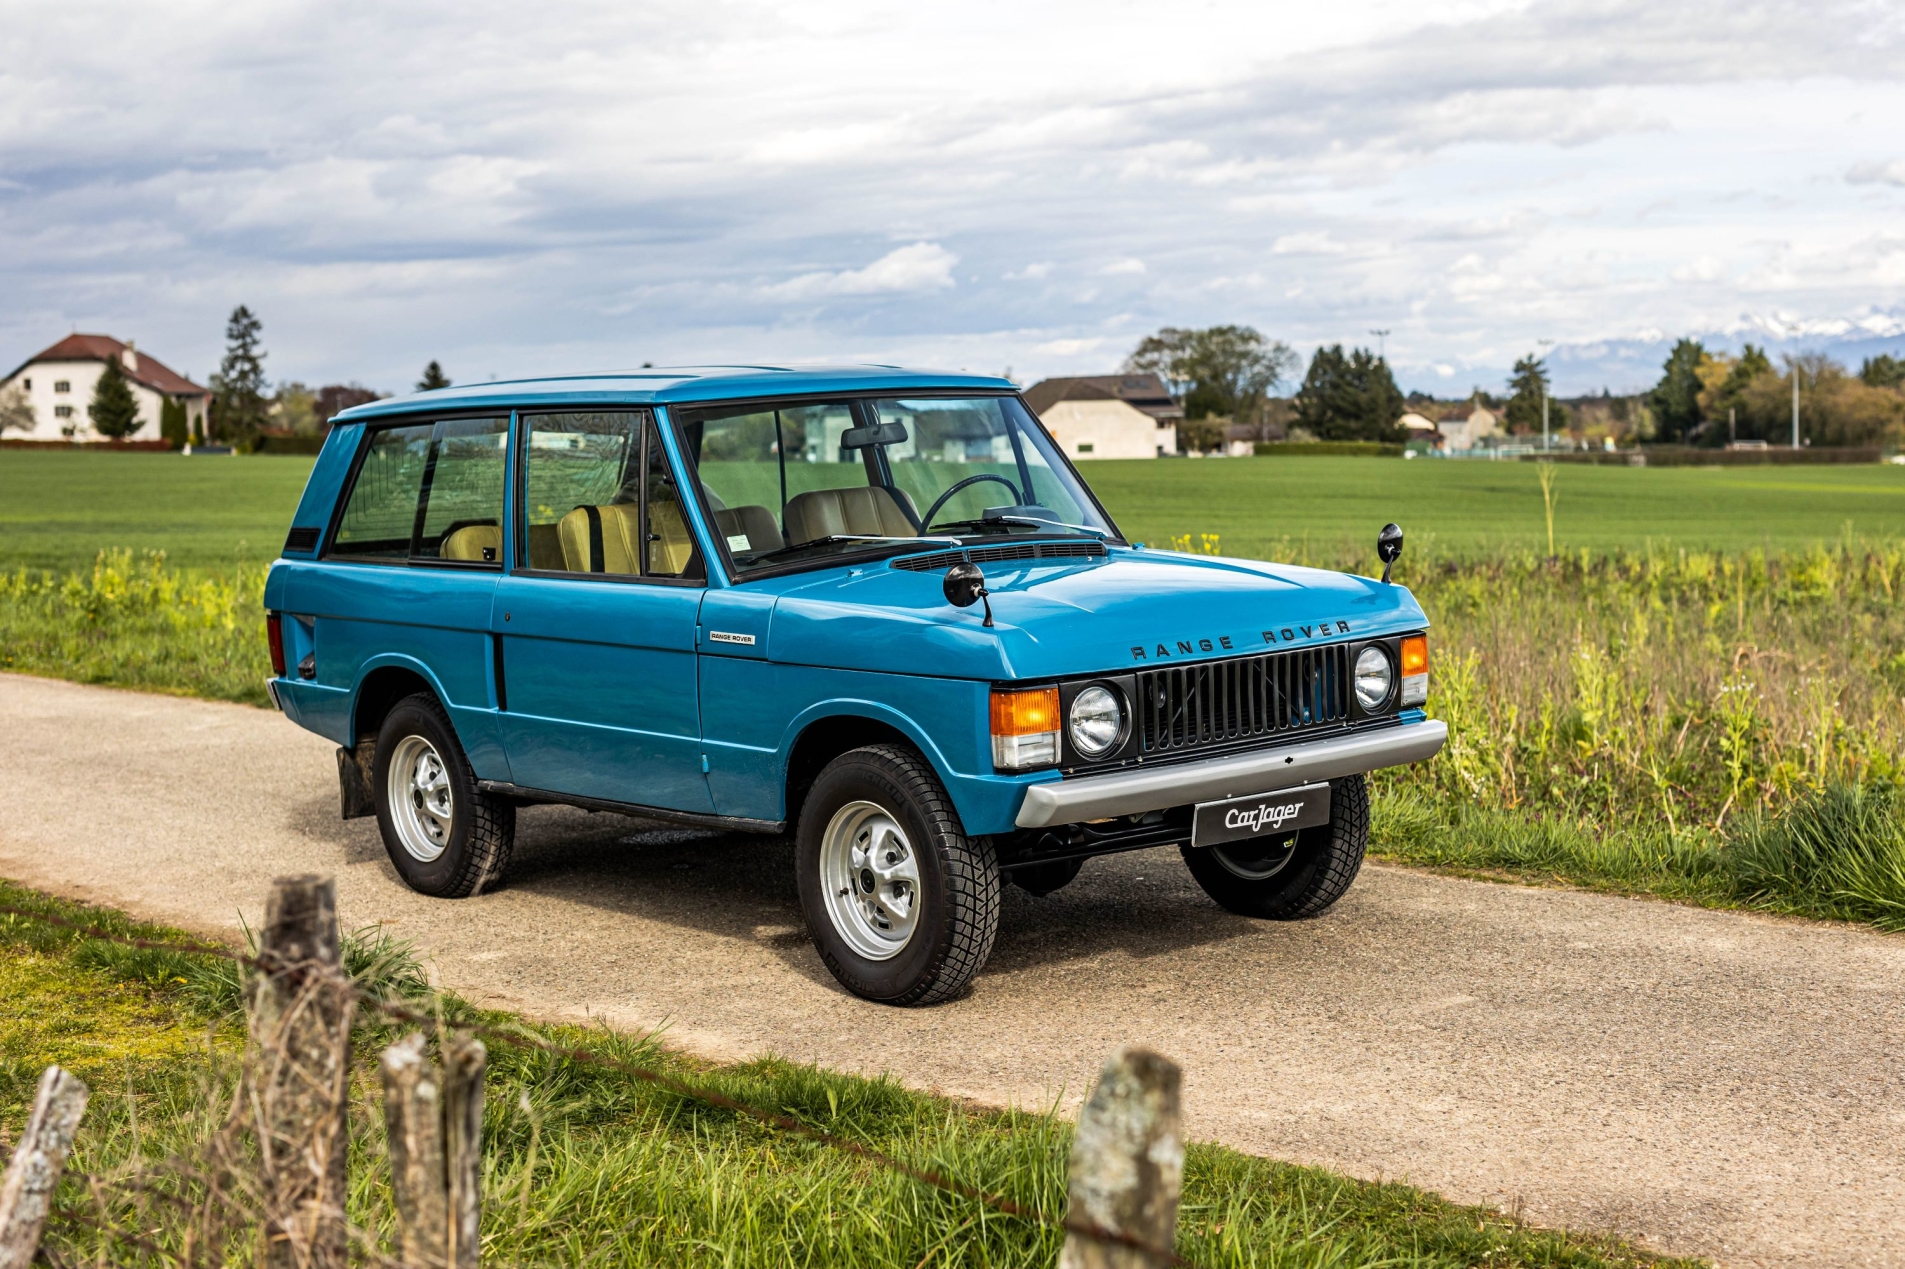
(428, 491)
(583, 498)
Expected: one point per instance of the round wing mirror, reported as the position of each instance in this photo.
(1389, 547)
(964, 584)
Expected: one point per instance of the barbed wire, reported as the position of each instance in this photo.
(522, 1039)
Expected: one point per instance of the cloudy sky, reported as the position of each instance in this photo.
(518, 189)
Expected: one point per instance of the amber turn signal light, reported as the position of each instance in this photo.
(1414, 655)
(1024, 728)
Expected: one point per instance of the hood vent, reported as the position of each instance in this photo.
(935, 560)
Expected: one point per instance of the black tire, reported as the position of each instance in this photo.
(957, 900)
(1042, 879)
(1316, 873)
(482, 829)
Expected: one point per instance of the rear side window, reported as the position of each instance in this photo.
(428, 491)
(599, 499)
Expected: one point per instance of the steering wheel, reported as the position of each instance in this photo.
(926, 521)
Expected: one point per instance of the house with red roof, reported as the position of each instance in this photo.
(58, 384)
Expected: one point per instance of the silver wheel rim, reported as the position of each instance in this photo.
(422, 806)
(870, 873)
(1257, 865)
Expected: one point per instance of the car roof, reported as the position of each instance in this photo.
(671, 385)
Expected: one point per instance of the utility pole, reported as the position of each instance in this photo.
(1795, 407)
(1381, 343)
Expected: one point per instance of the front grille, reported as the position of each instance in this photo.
(933, 560)
(1220, 702)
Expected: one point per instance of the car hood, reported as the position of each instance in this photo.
(1054, 618)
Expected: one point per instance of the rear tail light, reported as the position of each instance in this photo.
(1415, 670)
(1024, 728)
(274, 635)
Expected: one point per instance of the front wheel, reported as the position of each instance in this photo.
(445, 836)
(902, 905)
(1288, 878)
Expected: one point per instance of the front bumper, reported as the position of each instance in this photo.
(1259, 771)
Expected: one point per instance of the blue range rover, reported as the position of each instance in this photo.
(874, 608)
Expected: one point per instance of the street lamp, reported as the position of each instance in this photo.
(1381, 349)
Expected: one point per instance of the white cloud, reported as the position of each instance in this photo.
(1030, 273)
(1705, 268)
(1869, 173)
(1443, 370)
(924, 266)
(1128, 265)
(1308, 243)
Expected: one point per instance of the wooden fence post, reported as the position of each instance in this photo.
(299, 1012)
(465, 1062)
(435, 1124)
(413, 1115)
(1127, 1163)
(27, 1192)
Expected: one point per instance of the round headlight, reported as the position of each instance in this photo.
(1097, 718)
(1373, 677)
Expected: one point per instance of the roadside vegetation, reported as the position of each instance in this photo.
(583, 1165)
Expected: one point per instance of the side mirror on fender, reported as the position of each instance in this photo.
(965, 585)
(1389, 547)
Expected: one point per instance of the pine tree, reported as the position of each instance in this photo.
(1529, 388)
(1350, 397)
(1676, 398)
(433, 378)
(172, 427)
(238, 389)
(114, 411)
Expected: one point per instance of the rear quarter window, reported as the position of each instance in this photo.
(428, 491)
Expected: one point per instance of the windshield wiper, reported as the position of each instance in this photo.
(1040, 522)
(854, 537)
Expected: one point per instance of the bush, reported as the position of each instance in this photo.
(1838, 853)
(1349, 449)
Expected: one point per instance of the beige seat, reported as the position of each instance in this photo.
(479, 542)
(545, 547)
(866, 510)
(669, 550)
(748, 529)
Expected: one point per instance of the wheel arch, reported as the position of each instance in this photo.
(383, 682)
(825, 732)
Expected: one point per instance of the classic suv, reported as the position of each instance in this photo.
(875, 607)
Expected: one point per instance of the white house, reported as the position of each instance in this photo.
(58, 384)
(1108, 416)
(1107, 429)
(1466, 428)
(1418, 428)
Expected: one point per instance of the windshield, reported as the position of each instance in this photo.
(811, 481)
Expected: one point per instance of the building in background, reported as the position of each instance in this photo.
(58, 384)
(1108, 416)
(1416, 427)
(1468, 426)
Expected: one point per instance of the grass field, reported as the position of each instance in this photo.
(58, 509)
(583, 1165)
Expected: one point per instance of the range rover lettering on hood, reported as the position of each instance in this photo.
(1224, 643)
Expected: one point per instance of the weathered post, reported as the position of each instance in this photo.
(1127, 1164)
(299, 1011)
(27, 1192)
(465, 1062)
(413, 1115)
(435, 1123)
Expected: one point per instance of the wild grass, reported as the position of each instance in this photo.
(138, 622)
(583, 1165)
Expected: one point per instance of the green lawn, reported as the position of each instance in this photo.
(57, 509)
(1470, 508)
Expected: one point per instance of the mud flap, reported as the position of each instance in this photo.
(353, 779)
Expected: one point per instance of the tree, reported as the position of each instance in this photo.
(295, 409)
(114, 411)
(433, 378)
(1883, 371)
(1676, 398)
(16, 411)
(239, 409)
(1528, 388)
(172, 427)
(1221, 371)
(1349, 397)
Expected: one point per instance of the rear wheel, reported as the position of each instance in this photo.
(444, 835)
(1288, 878)
(902, 905)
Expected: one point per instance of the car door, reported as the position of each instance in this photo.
(412, 566)
(595, 620)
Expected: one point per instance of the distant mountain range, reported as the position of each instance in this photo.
(1632, 364)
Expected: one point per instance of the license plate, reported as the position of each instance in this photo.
(1260, 815)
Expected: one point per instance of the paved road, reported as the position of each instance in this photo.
(1705, 1082)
